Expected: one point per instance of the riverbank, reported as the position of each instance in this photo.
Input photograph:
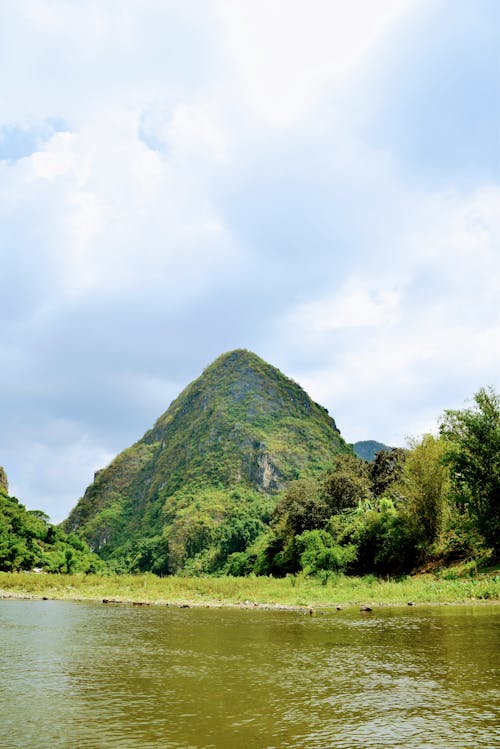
(290, 592)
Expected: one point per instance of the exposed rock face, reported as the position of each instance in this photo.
(4, 484)
(242, 423)
(267, 476)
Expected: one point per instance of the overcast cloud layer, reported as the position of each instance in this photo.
(315, 181)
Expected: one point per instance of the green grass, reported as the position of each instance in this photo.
(227, 591)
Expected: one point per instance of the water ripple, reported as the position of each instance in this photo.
(95, 677)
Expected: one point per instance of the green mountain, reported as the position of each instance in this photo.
(28, 540)
(200, 484)
(367, 449)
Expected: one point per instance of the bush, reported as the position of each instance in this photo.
(318, 551)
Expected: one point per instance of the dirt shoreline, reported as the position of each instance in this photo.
(248, 605)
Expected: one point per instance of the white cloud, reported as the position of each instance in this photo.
(352, 306)
(385, 387)
(125, 215)
(56, 158)
(425, 331)
(195, 129)
(51, 462)
(286, 51)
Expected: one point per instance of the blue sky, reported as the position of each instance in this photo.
(317, 182)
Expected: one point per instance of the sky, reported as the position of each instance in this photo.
(317, 182)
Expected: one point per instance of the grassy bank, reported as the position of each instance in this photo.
(227, 591)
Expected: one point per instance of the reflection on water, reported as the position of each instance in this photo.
(97, 677)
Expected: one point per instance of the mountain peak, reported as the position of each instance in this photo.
(237, 356)
(241, 362)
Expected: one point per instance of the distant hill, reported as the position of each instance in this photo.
(367, 449)
(201, 483)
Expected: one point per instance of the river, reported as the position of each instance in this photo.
(94, 676)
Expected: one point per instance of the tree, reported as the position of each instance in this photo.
(318, 551)
(473, 453)
(386, 469)
(346, 484)
(301, 508)
(425, 484)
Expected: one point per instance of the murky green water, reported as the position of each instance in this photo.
(82, 675)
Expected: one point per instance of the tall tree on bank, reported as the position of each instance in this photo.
(386, 469)
(425, 484)
(473, 454)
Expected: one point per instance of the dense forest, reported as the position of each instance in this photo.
(436, 502)
(433, 503)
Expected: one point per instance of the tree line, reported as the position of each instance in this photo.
(437, 501)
